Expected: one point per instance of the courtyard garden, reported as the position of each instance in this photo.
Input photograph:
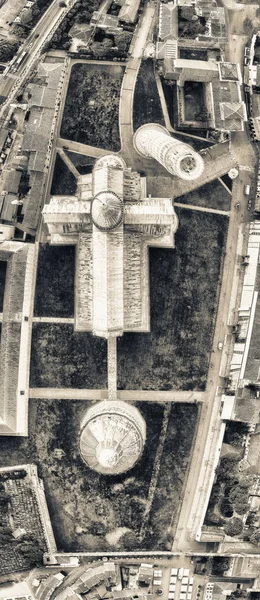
(194, 101)
(63, 182)
(62, 358)
(147, 105)
(54, 296)
(184, 292)
(212, 195)
(3, 267)
(94, 512)
(91, 113)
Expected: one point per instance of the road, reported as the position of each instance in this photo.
(208, 434)
(9, 86)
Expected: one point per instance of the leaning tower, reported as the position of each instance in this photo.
(112, 437)
(154, 141)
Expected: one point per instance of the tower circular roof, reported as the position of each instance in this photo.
(112, 437)
(106, 210)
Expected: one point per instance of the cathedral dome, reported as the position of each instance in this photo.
(112, 437)
(106, 210)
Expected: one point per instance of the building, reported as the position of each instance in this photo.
(16, 336)
(112, 223)
(220, 93)
(28, 507)
(43, 98)
(129, 11)
(112, 437)
(179, 159)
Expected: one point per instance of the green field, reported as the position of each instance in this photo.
(62, 358)
(91, 113)
(147, 105)
(63, 182)
(184, 291)
(84, 506)
(54, 296)
(212, 195)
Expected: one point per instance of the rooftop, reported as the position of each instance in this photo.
(229, 71)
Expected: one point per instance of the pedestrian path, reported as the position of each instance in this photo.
(81, 148)
(205, 209)
(127, 395)
(68, 162)
(54, 320)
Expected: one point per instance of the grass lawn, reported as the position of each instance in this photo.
(83, 163)
(92, 106)
(3, 267)
(62, 358)
(184, 291)
(63, 181)
(211, 195)
(54, 295)
(147, 105)
(86, 506)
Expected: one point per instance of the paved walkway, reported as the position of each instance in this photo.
(218, 160)
(68, 162)
(215, 211)
(81, 148)
(155, 473)
(112, 367)
(225, 186)
(127, 395)
(54, 320)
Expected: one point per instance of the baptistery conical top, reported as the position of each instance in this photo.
(106, 210)
(112, 437)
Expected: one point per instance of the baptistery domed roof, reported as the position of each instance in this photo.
(106, 210)
(112, 437)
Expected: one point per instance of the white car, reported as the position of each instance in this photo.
(174, 571)
(220, 345)
(173, 579)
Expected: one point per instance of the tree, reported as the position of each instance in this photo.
(234, 527)
(220, 564)
(241, 508)
(129, 541)
(247, 26)
(255, 537)
(8, 50)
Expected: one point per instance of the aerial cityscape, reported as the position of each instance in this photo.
(130, 306)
